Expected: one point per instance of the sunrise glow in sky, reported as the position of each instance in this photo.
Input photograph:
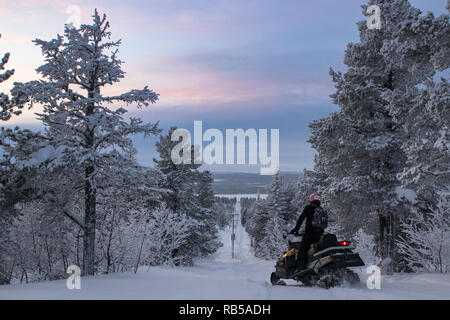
(230, 63)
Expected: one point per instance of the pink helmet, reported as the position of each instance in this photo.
(315, 196)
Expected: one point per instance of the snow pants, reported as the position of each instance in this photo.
(308, 239)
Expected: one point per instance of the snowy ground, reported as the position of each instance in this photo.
(223, 278)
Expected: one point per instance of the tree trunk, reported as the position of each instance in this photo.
(89, 224)
(386, 242)
(90, 198)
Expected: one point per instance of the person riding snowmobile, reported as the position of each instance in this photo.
(312, 234)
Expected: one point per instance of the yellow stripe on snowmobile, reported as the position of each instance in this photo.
(289, 253)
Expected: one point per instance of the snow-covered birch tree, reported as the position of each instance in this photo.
(425, 241)
(166, 233)
(88, 128)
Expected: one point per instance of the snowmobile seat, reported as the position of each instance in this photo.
(327, 241)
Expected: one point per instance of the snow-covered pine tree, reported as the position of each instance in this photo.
(427, 170)
(223, 209)
(289, 192)
(316, 180)
(206, 231)
(205, 196)
(279, 217)
(246, 205)
(77, 116)
(14, 185)
(178, 180)
(5, 103)
(273, 243)
(361, 145)
(255, 219)
(257, 224)
(183, 187)
(422, 46)
(15, 145)
(205, 191)
(308, 182)
(4, 115)
(278, 199)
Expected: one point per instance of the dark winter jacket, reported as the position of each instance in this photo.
(308, 214)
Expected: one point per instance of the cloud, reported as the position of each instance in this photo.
(210, 79)
(255, 63)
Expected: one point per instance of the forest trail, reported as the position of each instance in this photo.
(222, 277)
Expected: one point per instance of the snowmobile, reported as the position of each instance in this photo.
(327, 266)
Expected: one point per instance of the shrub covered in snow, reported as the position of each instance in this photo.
(365, 246)
(425, 243)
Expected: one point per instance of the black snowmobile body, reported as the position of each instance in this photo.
(327, 266)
